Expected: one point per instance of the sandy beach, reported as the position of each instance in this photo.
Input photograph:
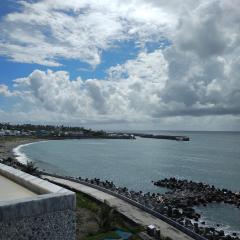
(7, 144)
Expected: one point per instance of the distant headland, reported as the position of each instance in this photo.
(52, 132)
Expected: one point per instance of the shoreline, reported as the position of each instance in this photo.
(20, 156)
(12, 149)
(7, 146)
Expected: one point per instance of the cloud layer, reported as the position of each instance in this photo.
(197, 75)
(80, 30)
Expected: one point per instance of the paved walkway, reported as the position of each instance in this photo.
(130, 211)
(9, 190)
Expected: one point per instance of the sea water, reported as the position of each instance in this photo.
(209, 157)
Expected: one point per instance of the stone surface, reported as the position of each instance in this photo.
(48, 214)
(52, 225)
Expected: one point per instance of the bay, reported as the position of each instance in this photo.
(209, 157)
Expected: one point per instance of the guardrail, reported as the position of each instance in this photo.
(171, 222)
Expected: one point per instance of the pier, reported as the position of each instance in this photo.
(168, 137)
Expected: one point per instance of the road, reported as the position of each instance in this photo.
(135, 214)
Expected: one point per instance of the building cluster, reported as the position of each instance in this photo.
(57, 132)
(39, 133)
(7, 132)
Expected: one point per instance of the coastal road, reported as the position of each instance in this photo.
(135, 214)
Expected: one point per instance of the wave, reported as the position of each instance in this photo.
(228, 229)
(20, 156)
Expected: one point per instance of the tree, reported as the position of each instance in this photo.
(106, 217)
(30, 168)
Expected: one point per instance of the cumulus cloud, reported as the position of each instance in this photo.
(80, 30)
(111, 98)
(4, 91)
(143, 88)
(208, 33)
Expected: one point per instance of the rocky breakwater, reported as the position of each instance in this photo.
(178, 204)
(185, 195)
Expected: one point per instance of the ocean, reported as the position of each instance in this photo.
(209, 157)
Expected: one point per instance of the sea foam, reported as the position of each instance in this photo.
(20, 156)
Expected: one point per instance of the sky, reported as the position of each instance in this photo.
(117, 64)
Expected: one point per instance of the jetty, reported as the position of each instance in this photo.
(168, 137)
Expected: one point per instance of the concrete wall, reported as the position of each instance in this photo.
(52, 225)
(49, 215)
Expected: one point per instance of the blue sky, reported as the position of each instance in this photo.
(119, 54)
(122, 52)
(141, 63)
(8, 6)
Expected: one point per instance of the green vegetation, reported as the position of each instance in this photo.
(47, 130)
(101, 236)
(84, 201)
(31, 127)
(30, 168)
(135, 237)
(56, 132)
(106, 218)
(15, 138)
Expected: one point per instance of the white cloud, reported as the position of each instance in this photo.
(143, 88)
(122, 98)
(79, 30)
(4, 91)
(211, 32)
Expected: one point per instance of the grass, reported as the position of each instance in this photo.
(126, 227)
(15, 138)
(84, 201)
(109, 235)
(135, 237)
(101, 236)
(120, 222)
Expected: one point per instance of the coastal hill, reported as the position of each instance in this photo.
(58, 132)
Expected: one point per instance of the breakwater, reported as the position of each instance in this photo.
(177, 216)
(168, 137)
(184, 195)
(180, 217)
(188, 193)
